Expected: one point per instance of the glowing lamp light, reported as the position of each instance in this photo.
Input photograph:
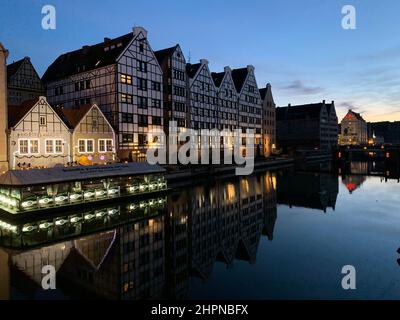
(90, 158)
(100, 214)
(75, 196)
(45, 225)
(29, 228)
(89, 216)
(102, 158)
(75, 219)
(45, 201)
(28, 204)
(60, 199)
(111, 212)
(61, 222)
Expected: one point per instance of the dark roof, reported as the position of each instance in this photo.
(239, 77)
(72, 116)
(192, 69)
(263, 92)
(16, 113)
(88, 57)
(299, 112)
(217, 77)
(161, 55)
(13, 67)
(79, 173)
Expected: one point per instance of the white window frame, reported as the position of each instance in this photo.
(86, 146)
(105, 145)
(29, 146)
(54, 145)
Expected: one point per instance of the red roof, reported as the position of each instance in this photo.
(72, 116)
(16, 113)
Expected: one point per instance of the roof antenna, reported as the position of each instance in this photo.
(190, 56)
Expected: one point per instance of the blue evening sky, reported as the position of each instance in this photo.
(297, 46)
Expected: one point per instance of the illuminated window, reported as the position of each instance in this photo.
(86, 145)
(126, 79)
(49, 146)
(59, 146)
(126, 98)
(34, 146)
(54, 146)
(23, 146)
(89, 146)
(105, 145)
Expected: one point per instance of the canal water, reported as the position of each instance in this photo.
(274, 235)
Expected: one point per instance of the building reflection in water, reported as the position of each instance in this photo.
(314, 190)
(154, 254)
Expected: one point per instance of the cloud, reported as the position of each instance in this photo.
(297, 87)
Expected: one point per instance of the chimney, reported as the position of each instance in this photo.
(289, 105)
(323, 101)
(268, 86)
(137, 30)
(107, 40)
(3, 110)
(227, 69)
(204, 61)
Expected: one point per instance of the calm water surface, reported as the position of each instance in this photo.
(274, 235)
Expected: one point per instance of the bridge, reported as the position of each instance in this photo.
(387, 153)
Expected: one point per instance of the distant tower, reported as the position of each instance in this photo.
(3, 110)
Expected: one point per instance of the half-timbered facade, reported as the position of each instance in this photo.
(268, 120)
(175, 82)
(250, 105)
(123, 77)
(203, 97)
(23, 82)
(227, 100)
(93, 137)
(37, 136)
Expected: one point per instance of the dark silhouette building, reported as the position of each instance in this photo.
(307, 127)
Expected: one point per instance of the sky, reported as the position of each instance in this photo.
(298, 46)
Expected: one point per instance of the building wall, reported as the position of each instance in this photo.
(95, 86)
(354, 132)
(228, 103)
(25, 84)
(3, 110)
(250, 106)
(93, 126)
(203, 99)
(268, 123)
(29, 130)
(141, 118)
(176, 96)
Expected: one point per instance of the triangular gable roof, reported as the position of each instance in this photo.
(92, 57)
(263, 92)
(16, 113)
(192, 69)
(73, 116)
(13, 68)
(163, 54)
(239, 77)
(218, 77)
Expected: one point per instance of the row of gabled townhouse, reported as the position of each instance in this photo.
(40, 135)
(139, 90)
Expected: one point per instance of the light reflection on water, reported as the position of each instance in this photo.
(275, 235)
